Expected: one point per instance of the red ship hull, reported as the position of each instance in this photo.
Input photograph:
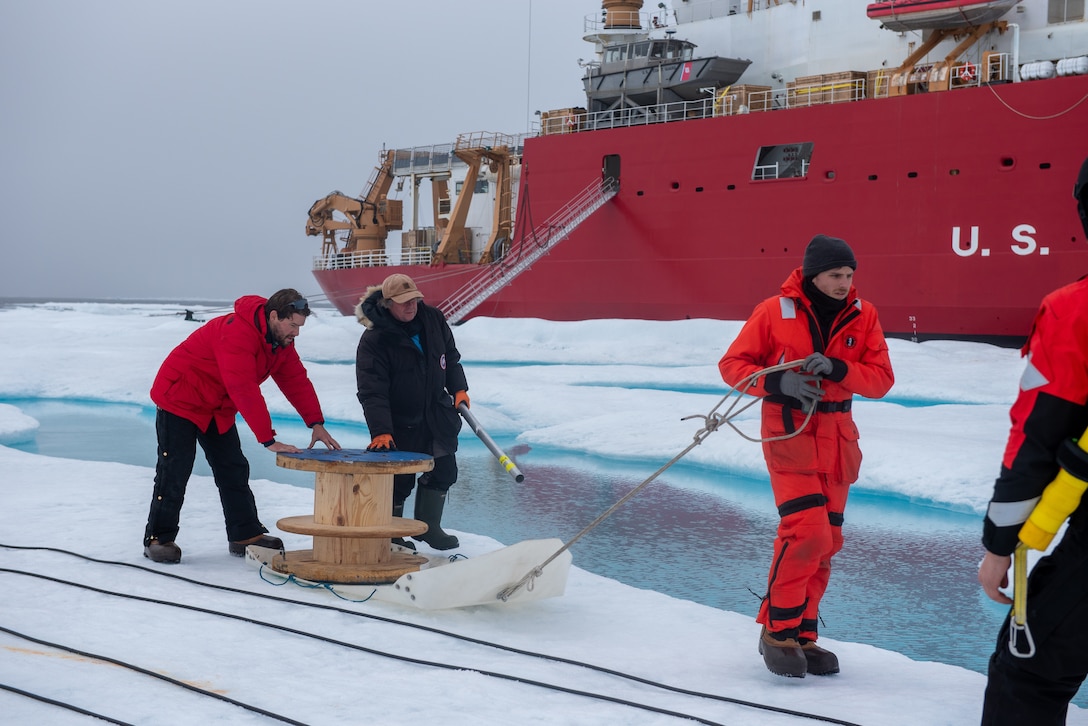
(958, 206)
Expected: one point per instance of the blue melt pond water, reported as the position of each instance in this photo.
(905, 580)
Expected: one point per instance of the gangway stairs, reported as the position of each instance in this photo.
(543, 240)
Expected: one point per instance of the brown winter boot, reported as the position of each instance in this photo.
(821, 662)
(167, 552)
(782, 655)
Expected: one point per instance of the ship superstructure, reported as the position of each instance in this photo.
(945, 156)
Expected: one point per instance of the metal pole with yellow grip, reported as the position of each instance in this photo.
(1059, 500)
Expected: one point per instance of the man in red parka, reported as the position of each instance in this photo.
(1049, 416)
(817, 318)
(208, 379)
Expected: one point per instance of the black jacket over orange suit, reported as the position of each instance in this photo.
(810, 472)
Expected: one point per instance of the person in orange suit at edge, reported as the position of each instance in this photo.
(818, 319)
(1043, 475)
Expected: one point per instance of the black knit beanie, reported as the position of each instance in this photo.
(827, 253)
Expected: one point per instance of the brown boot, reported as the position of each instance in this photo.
(782, 655)
(821, 662)
(167, 552)
(238, 549)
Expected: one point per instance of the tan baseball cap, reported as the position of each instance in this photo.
(400, 289)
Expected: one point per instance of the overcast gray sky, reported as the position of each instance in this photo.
(171, 149)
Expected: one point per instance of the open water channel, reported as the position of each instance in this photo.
(905, 580)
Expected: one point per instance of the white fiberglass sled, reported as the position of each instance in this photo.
(493, 578)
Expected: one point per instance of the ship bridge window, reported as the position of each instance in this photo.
(1064, 11)
(672, 50)
(615, 54)
(481, 187)
(782, 161)
(640, 50)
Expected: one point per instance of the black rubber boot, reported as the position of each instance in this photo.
(429, 506)
(398, 511)
(782, 655)
(821, 662)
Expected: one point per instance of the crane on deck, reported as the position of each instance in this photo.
(367, 220)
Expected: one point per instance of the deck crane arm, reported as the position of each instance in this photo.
(367, 219)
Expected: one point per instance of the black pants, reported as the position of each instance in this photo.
(441, 477)
(1037, 690)
(178, 438)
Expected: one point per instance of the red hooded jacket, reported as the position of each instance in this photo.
(779, 331)
(217, 372)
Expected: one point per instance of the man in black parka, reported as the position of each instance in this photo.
(410, 380)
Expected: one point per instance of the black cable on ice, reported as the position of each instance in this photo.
(424, 628)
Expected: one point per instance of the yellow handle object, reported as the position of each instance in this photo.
(1021, 644)
(1059, 499)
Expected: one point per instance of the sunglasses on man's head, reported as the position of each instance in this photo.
(301, 304)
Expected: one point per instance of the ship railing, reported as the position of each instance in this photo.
(689, 12)
(824, 92)
(773, 171)
(349, 260)
(422, 160)
(646, 115)
(438, 159)
(624, 20)
(416, 255)
(488, 140)
(633, 19)
(994, 68)
(528, 250)
(845, 91)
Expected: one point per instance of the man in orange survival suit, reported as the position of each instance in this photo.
(818, 318)
(1049, 415)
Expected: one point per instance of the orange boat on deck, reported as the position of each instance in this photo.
(945, 157)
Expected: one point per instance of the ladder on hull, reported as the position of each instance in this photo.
(528, 250)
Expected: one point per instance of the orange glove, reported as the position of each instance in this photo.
(382, 442)
(459, 398)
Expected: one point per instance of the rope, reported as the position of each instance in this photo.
(308, 585)
(1004, 103)
(711, 423)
